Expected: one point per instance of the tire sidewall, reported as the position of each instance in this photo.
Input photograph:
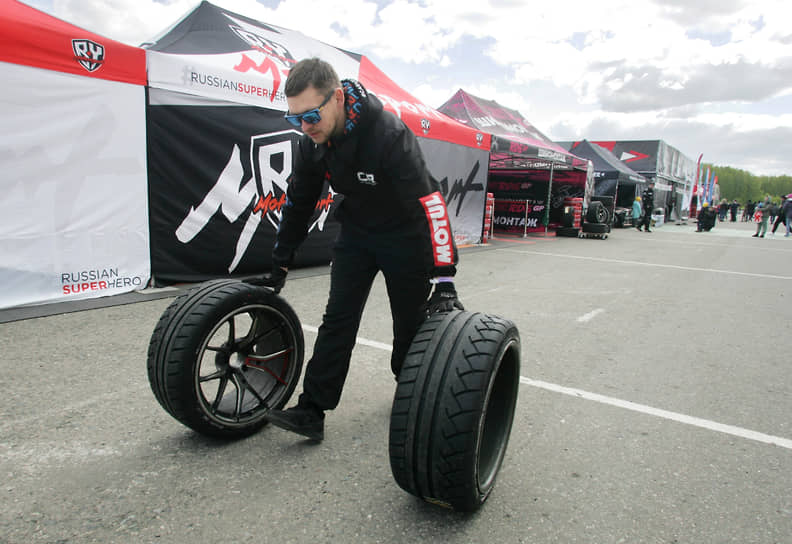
(485, 488)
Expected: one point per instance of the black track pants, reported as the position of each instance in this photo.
(646, 220)
(357, 257)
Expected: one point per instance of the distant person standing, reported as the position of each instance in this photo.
(763, 210)
(787, 211)
(723, 209)
(733, 207)
(647, 198)
(779, 215)
(749, 211)
(773, 212)
(636, 212)
(669, 207)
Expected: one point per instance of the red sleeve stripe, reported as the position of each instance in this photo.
(439, 228)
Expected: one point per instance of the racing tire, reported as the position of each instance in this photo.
(596, 213)
(453, 408)
(571, 232)
(223, 354)
(606, 200)
(595, 228)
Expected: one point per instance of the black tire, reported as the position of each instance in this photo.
(596, 213)
(595, 228)
(453, 408)
(606, 200)
(567, 231)
(223, 354)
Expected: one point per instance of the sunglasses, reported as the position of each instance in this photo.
(311, 116)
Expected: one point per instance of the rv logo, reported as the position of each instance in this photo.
(89, 54)
(426, 124)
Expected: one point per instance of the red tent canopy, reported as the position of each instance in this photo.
(33, 38)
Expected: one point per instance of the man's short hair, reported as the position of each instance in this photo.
(313, 72)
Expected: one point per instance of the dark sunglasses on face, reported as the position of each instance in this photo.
(311, 116)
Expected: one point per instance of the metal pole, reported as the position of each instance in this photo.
(525, 221)
(547, 204)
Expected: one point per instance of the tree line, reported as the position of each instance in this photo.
(744, 186)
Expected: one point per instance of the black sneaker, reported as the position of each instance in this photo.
(303, 421)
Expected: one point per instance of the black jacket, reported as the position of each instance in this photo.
(648, 199)
(379, 169)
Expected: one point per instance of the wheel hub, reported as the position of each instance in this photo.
(237, 361)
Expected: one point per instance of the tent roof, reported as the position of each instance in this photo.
(513, 135)
(216, 53)
(606, 165)
(651, 158)
(32, 38)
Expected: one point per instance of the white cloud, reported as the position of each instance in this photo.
(628, 66)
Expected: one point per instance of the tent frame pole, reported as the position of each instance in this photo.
(547, 203)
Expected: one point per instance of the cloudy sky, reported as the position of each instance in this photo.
(706, 76)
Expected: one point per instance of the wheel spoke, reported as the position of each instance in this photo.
(231, 330)
(240, 392)
(255, 336)
(243, 381)
(212, 376)
(259, 362)
(220, 392)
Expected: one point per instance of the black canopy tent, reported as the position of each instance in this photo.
(612, 178)
(672, 172)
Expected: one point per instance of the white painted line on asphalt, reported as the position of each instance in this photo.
(359, 340)
(759, 246)
(641, 408)
(638, 263)
(589, 316)
(665, 414)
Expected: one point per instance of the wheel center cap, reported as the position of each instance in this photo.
(237, 360)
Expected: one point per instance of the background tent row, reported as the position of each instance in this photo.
(672, 172)
(107, 186)
(529, 175)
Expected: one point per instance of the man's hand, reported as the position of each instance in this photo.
(444, 299)
(274, 281)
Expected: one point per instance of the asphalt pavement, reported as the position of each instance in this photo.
(654, 407)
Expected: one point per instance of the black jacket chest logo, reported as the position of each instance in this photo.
(366, 178)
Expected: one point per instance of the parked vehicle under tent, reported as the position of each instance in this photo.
(74, 208)
(220, 151)
(529, 175)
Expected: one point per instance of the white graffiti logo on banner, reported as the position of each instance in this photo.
(89, 54)
(262, 194)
